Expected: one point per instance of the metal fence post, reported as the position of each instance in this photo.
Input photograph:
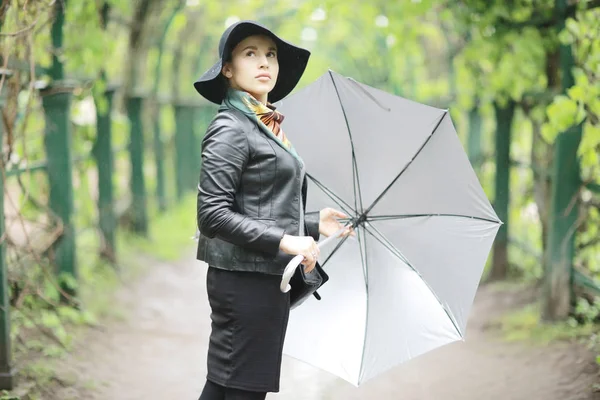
(190, 149)
(564, 204)
(103, 154)
(195, 153)
(138, 211)
(7, 373)
(159, 156)
(181, 153)
(56, 101)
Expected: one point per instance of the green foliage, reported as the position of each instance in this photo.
(6, 396)
(586, 312)
(501, 67)
(170, 233)
(526, 325)
(462, 54)
(498, 13)
(581, 104)
(86, 46)
(588, 244)
(562, 114)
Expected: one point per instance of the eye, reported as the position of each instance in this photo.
(272, 54)
(250, 53)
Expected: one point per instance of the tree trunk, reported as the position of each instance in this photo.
(541, 161)
(138, 49)
(474, 138)
(504, 118)
(564, 207)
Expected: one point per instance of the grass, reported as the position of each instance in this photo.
(526, 325)
(170, 234)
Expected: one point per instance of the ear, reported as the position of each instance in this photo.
(226, 70)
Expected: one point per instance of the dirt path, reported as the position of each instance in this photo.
(158, 352)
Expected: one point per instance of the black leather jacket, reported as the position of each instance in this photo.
(251, 192)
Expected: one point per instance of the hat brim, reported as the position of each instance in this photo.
(292, 63)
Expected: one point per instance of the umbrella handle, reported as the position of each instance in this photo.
(288, 272)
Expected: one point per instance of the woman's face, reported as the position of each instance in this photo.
(253, 67)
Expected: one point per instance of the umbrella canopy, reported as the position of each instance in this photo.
(406, 283)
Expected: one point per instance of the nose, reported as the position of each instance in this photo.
(263, 62)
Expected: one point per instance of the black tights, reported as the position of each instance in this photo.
(212, 391)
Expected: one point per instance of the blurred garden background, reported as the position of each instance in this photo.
(101, 136)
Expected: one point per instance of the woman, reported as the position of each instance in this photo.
(251, 201)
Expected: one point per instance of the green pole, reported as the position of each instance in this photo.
(504, 118)
(564, 203)
(474, 138)
(7, 373)
(138, 212)
(186, 158)
(56, 100)
(191, 167)
(57, 69)
(159, 151)
(195, 153)
(103, 154)
(159, 156)
(181, 153)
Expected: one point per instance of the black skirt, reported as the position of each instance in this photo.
(249, 319)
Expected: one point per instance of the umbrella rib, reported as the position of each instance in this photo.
(337, 246)
(363, 256)
(387, 244)
(369, 95)
(409, 163)
(355, 180)
(382, 239)
(406, 216)
(340, 202)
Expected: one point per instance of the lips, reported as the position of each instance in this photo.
(263, 76)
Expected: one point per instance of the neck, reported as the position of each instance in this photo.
(262, 98)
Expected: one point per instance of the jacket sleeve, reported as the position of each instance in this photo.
(311, 220)
(225, 153)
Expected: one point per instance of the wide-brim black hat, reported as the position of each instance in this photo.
(292, 63)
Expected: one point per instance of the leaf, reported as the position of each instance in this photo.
(594, 106)
(581, 78)
(591, 137)
(562, 113)
(576, 93)
(179, 21)
(549, 133)
(572, 26)
(566, 38)
(590, 159)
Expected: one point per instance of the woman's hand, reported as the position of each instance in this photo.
(304, 245)
(328, 224)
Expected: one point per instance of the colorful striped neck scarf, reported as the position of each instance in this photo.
(266, 116)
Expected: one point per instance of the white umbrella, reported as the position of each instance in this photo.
(406, 283)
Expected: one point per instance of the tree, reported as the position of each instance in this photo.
(537, 21)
